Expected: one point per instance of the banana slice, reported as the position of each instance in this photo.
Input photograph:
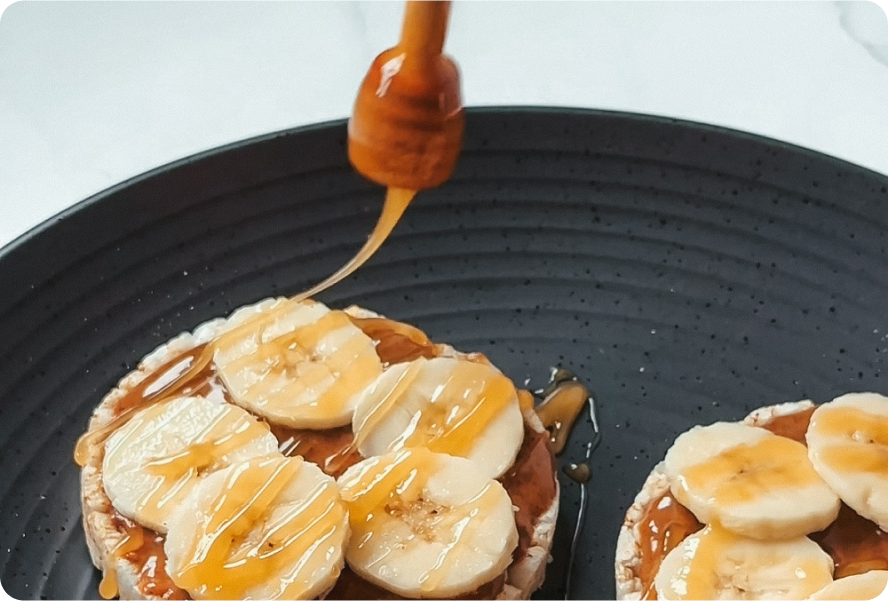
(299, 364)
(717, 564)
(859, 587)
(269, 528)
(848, 445)
(448, 405)
(750, 481)
(427, 524)
(153, 461)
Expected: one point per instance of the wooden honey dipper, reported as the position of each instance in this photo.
(406, 129)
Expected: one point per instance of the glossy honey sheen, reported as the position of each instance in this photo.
(161, 385)
(703, 559)
(530, 483)
(129, 542)
(861, 443)
(388, 401)
(744, 472)
(455, 433)
(559, 411)
(462, 407)
(853, 424)
(713, 540)
(396, 342)
(663, 526)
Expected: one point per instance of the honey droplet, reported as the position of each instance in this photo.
(559, 411)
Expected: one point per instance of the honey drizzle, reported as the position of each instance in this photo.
(703, 558)
(178, 375)
(860, 440)
(396, 202)
(305, 366)
(226, 432)
(130, 541)
(182, 382)
(561, 402)
(387, 403)
(458, 411)
(248, 495)
(852, 424)
(256, 325)
(377, 481)
(701, 562)
(155, 388)
(741, 473)
(223, 435)
(381, 488)
(664, 525)
(856, 458)
(396, 342)
(335, 449)
(461, 427)
(353, 372)
(458, 524)
(529, 493)
(559, 410)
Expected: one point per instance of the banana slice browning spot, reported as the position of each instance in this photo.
(426, 524)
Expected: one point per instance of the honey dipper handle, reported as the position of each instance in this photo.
(425, 26)
(406, 128)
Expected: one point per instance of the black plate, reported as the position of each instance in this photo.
(688, 272)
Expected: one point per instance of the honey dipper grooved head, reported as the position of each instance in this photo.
(406, 127)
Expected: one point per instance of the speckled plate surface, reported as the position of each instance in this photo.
(687, 272)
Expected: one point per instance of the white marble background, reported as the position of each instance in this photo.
(94, 92)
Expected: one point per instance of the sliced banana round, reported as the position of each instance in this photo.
(297, 364)
(154, 460)
(750, 481)
(859, 587)
(718, 564)
(272, 527)
(426, 524)
(848, 445)
(449, 405)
